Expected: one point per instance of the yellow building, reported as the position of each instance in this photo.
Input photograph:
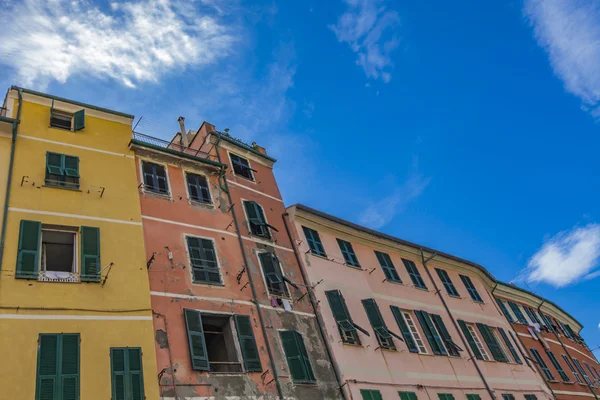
(75, 317)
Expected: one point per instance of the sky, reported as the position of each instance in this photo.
(468, 126)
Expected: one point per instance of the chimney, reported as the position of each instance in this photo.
(258, 148)
(183, 133)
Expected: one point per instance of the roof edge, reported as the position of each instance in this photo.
(243, 146)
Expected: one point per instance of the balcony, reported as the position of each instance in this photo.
(170, 147)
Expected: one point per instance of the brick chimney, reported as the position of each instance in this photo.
(258, 148)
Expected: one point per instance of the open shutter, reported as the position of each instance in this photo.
(384, 336)
(70, 367)
(346, 327)
(247, 341)
(491, 342)
(47, 369)
(28, 255)
(452, 347)
(119, 374)
(135, 376)
(505, 310)
(79, 120)
(54, 163)
(90, 254)
(273, 274)
(510, 346)
(430, 332)
(408, 339)
(196, 341)
(294, 358)
(71, 166)
(470, 340)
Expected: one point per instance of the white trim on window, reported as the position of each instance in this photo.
(478, 343)
(185, 172)
(258, 252)
(57, 276)
(414, 331)
(229, 153)
(168, 195)
(189, 260)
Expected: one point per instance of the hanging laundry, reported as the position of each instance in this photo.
(286, 305)
(274, 302)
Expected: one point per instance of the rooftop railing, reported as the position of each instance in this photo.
(156, 142)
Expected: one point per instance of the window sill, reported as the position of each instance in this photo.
(62, 188)
(319, 256)
(207, 284)
(201, 203)
(164, 196)
(304, 383)
(421, 288)
(352, 344)
(244, 178)
(568, 383)
(395, 282)
(61, 128)
(454, 296)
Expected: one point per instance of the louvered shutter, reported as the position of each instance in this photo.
(383, 336)
(273, 275)
(342, 316)
(47, 371)
(491, 342)
(407, 395)
(430, 332)
(196, 340)
(119, 374)
(389, 270)
(505, 310)
(28, 254)
(294, 358)
(79, 120)
(71, 166)
(54, 163)
(70, 367)
(450, 345)
(247, 342)
(304, 354)
(135, 376)
(470, 339)
(408, 339)
(510, 346)
(90, 254)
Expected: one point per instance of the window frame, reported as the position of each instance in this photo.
(478, 342)
(352, 337)
(318, 241)
(59, 364)
(252, 171)
(348, 261)
(447, 282)
(385, 257)
(305, 358)
(573, 370)
(75, 274)
(64, 114)
(542, 365)
(414, 331)
(471, 289)
(556, 364)
(189, 260)
(415, 277)
(126, 372)
(582, 372)
(145, 189)
(187, 172)
(516, 309)
(286, 291)
(267, 227)
(60, 183)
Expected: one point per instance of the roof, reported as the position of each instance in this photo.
(177, 153)
(243, 145)
(77, 103)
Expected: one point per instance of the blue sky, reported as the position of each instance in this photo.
(468, 126)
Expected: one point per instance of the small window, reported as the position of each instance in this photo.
(370, 394)
(408, 396)
(445, 396)
(389, 270)
(530, 397)
(348, 253)
(539, 361)
(198, 188)
(59, 256)
(155, 178)
(382, 333)
(203, 258)
(508, 397)
(297, 357)
(518, 313)
(65, 120)
(314, 242)
(62, 171)
(409, 330)
(58, 365)
(415, 275)
(447, 282)
(257, 223)
(273, 275)
(575, 373)
(126, 370)
(471, 288)
(478, 342)
(472, 396)
(241, 167)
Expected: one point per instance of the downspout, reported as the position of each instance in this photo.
(15, 129)
(336, 371)
(250, 279)
(464, 341)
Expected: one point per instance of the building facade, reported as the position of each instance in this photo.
(551, 337)
(74, 293)
(408, 322)
(232, 319)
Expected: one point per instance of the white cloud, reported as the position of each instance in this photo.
(130, 41)
(381, 212)
(566, 258)
(569, 31)
(368, 28)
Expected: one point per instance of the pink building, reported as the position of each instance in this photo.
(408, 322)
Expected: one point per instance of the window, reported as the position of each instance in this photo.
(62, 119)
(273, 275)
(415, 275)
(510, 346)
(445, 396)
(203, 259)
(474, 342)
(530, 397)
(212, 344)
(548, 322)
(538, 359)
(489, 337)
(559, 369)
(58, 367)
(314, 242)
(471, 396)
(451, 346)
(370, 394)
(49, 253)
(517, 311)
(471, 288)
(447, 282)
(346, 327)
(532, 315)
(126, 371)
(297, 357)
(408, 396)
(198, 188)
(241, 167)
(431, 333)
(155, 178)
(348, 253)
(508, 397)
(505, 310)
(410, 333)
(62, 171)
(575, 373)
(257, 223)
(389, 270)
(414, 331)
(384, 336)
(582, 371)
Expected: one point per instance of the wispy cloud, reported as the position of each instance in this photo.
(569, 31)
(368, 28)
(566, 258)
(129, 41)
(381, 212)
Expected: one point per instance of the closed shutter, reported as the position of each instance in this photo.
(47, 369)
(470, 339)
(127, 375)
(474, 397)
(79, 120)
(342, 317)
(414, 274)
(389, 270)
(54, 163)
(273, 274)
(452, 347)
(447, 282)
(135, 375)
(405, 330)
(510, 346)
(491, 342)
(407, 396)
(70, 367)
(58, 367)
(119, 374)
(314, 241)
(28, 254)
(471, 288)
(72, 166)
(196, 340)
(90, 254)
(542, 364)
(348, 253)
(383, 335)
(243, 325)
(297, 359)
(369, 394)
(435, 341)
(556, 365)
(517, 311)
(505, 310)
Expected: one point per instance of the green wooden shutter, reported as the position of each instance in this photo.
(375, 318)
(79, 120)
(450, 345)
(71, 166)
(408, 339)
(491, 342)
(470, 339)
(389, 270)
(47, 383)
(273, 275)
(90, 254)
(304, 354)
(135, 376)
(505, 310)
(126, 371)
(119, 373)
(314, 242)
(243, 325)
(55, 163)
(517, 311)
(476, 396)
(197, 344)
(430, 332)
(407, 396)
(28, 255)
(510, 346)
(370, 394)
(69, 367)
(341, 315)
(294, 357)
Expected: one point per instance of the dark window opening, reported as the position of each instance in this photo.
(241, 167)
(220, 344)
(198, 188)
(155, 178)
(60, 119)
(58, 251)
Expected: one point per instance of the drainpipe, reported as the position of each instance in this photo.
(250, 279)
(464, 341)
(336, 371)
(15, 129)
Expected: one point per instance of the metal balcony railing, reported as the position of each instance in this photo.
(156, 142)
